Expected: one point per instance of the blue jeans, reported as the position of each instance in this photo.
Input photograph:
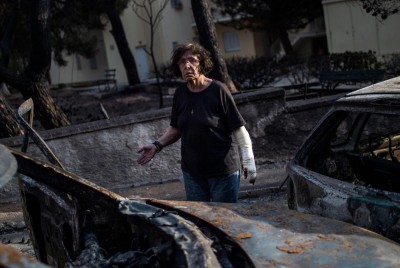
(218, 189)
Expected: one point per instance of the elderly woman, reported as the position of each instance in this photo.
(205, 117)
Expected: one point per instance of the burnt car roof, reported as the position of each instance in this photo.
(383, 96)
(391, 86)
(281, 237)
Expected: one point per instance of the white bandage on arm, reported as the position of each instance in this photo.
(242, 137)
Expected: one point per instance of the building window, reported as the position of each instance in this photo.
(177, 4)
(231, 42)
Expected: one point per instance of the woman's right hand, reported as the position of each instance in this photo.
(148, 151)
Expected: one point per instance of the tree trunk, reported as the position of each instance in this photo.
(123, 46)
(49, 114)
(9, 127)
(208, 39)
(287, 45)
(32, 83)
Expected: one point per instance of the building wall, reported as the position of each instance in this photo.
(246, 42)
(350, 28)
(79, 68)
(176, 26)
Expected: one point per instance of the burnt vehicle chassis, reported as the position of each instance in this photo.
(69, 218)
(348, 168)
(76, 223)
(73, 222)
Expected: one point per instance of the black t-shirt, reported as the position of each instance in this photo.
(206, 120)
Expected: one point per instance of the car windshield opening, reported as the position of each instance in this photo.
(360, 148)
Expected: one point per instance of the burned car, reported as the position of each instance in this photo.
(75, 223)
(348, 168)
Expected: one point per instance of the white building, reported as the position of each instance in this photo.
(345, 27)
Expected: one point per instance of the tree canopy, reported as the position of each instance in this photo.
(278, 16)
(34, 31)
(381, 9)
(71, 31)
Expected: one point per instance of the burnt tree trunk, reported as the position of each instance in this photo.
(34, 79)
(208, 39)
(122, 45)
(32, 83)
(8, 124)
(285, 41)
(9, 127)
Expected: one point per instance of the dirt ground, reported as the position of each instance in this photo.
(83, 105)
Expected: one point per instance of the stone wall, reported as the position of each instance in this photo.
(105, 151)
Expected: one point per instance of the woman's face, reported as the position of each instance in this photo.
(189, 66)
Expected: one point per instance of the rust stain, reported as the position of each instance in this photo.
(324, 237)
(11, 257)
(272, 263)
(293, 248)
(346, 245)
(244, 235)
(220, 222)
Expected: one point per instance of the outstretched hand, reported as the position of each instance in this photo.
(148, 151)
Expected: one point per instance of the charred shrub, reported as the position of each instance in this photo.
(252, 73)
(392, 65)
(167, 75)
(300, 70)
(353, 61)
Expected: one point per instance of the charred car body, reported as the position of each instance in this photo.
(348, 168)
(75, 223)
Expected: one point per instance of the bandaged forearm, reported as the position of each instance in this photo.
(243, 140)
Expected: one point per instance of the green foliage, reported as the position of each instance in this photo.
(300, 71)
(353, 61)
(19, 44)
(74, 25)
(267, 14)
(392, 65)
(167, 75)
(252, 73)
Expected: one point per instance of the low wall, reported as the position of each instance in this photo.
(105, 151)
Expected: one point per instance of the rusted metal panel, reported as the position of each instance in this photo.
(10, 257)
(191, 234)
(291, 239)
(29, 132)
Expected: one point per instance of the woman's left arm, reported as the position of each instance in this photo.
(246, 153)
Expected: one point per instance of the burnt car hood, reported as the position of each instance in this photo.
(283, 237)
